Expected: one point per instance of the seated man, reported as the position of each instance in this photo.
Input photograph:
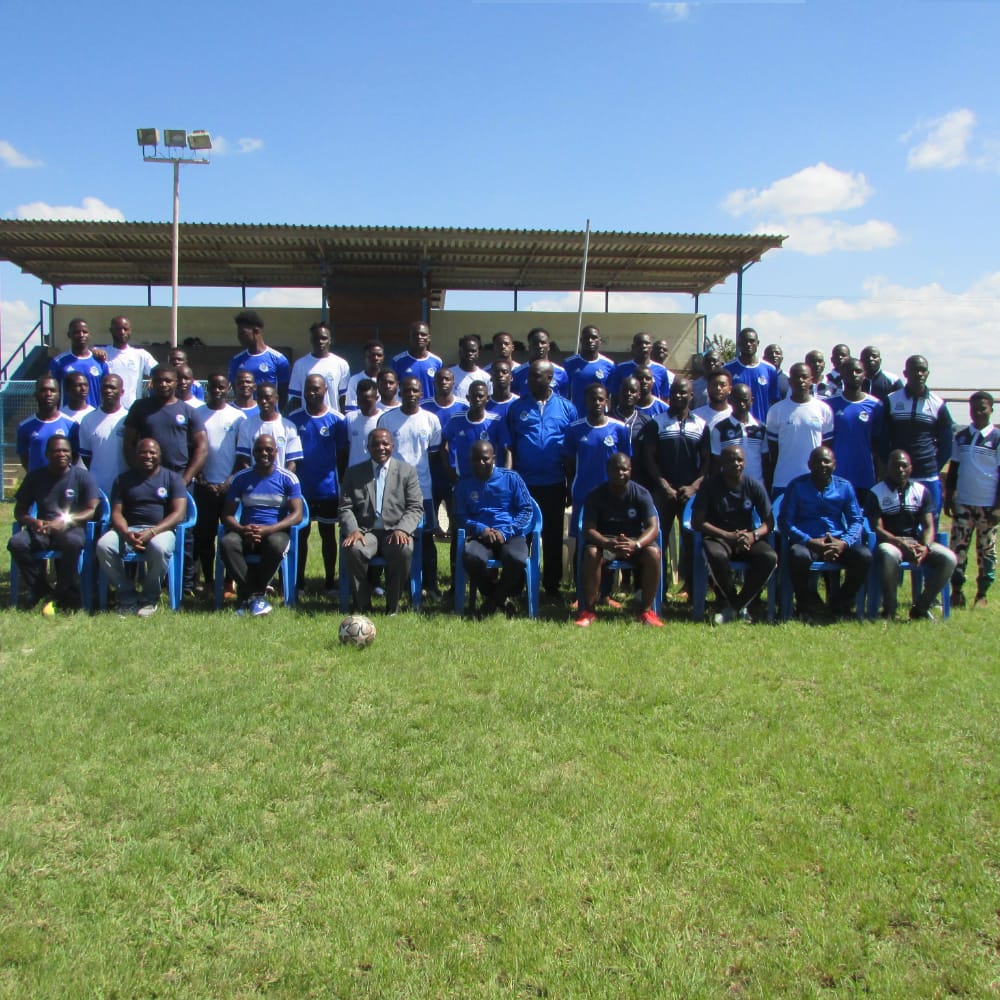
(823, 522)
(902, 513)
(494, 507)
(723, 513)
(620, 522)
(65, 498)
(380, 510)
(271, 500)
(147, 503)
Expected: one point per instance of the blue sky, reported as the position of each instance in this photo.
(869, 133)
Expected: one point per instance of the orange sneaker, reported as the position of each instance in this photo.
(586, 617)
(650, 618)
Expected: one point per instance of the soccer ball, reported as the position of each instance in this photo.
(356, 630)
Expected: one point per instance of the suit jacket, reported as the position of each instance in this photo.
(402, 502)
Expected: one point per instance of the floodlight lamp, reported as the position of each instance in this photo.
(175, 138)
(148, 136)
(199, 140)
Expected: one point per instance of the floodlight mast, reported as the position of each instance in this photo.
(174, 140)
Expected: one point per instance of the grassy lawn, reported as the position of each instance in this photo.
(202, 806)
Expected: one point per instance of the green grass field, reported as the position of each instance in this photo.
(203, 806)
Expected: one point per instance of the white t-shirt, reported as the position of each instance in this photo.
(710, 416)
(797, 428)
(284, 432)
(102, 439)
(222, 428)
(132, 365)
(464, 379)
(358, 428)
(415, 436)
(335, 371)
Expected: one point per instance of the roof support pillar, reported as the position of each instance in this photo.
(739, 294)
(149, 296)
(607, 300)
(515, 299)
(243, 296)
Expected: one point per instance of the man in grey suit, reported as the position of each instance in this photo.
(380, 508)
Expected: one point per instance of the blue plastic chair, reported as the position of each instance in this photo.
(533, 575)
(416, 572)
(831, 570)
(289, 561)
(618, 564)
(916, 584)
(701, 574)
(87, 562)
(175, 564)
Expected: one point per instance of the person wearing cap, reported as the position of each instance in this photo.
(267, 364)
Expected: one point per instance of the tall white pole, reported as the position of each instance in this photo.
(583, 285)
(175, 250)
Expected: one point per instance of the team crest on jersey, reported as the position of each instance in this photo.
(70, 493)
(524, 416)
(94, 370)
(474, 496)
(609, 441)
(863, 416)
(631, 512)
(181, 419)
(161, 492)
(747, 504)
(600, 374)
(761, 380)
(324, 431)
(432, 372)
(264, 368)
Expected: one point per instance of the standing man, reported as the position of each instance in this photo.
(131, 364)
(972, 497)
(267, 365)
(501, 378)
(834, 380)
(65, 497)
(587, 367)
(147, 502)
(270, 502)
(795, 427)
(418, 360)
(717, 408)
(539, 347)
(743, 429)
(537, 423)
(759, 375)
(79, 358)
(918, 422)
(416, 438)
(361, 421)
(675, 452)
(335, 370)
(822, 520)
(76, 392)
(900, 512)
(503, 350)
(269, 421)
(619, 522)
(857, 428)
(467, 370)
(102, 435)
(380, 509)
(374, 360)
(711, 361)
(222, 425)
(471, 425)
(323, 434)
(878, 383)
(494, 507)
(245, 393)
(177, 358)
(774, 355)
(34, 432)
(724, 514)
(642, 357)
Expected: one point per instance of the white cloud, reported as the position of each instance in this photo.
(297, 298)
(223, 146)
(814, 236)
(816, 189)
(945, 143)
(91, 210)
(955, 330)
(12, 158)
(617, 302)
(673, 12)
(18, 319)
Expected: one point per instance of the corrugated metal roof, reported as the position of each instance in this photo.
(220, 254)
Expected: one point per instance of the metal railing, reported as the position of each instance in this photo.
(20, 352)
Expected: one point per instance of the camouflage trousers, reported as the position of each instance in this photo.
(966, 521)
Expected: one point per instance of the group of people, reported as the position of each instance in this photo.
(505, 448)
